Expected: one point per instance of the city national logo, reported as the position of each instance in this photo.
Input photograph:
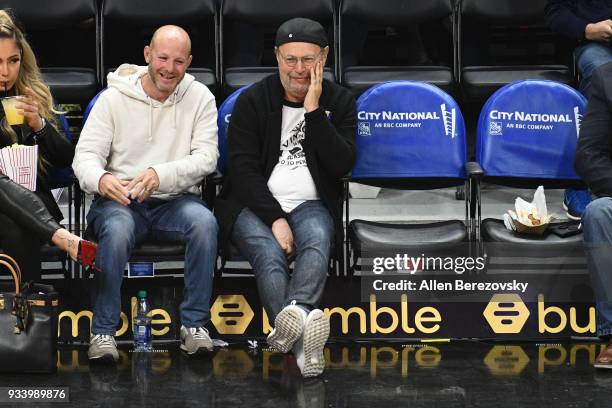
(577, 120)
(364, 129)
(506, 313)
(231, 314)
(450, 121)
(495, 128)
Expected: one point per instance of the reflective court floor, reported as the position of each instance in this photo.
(389, 375)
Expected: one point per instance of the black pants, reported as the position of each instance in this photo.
(25, 222)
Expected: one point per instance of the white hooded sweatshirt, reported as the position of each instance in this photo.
(127, 132)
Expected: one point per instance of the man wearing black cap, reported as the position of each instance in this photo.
(291, 139)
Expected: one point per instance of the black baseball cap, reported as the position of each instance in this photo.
(301, 30)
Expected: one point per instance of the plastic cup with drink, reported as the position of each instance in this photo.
(13, 115)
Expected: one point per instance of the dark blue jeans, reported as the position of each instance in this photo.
(597, 226)
(119, 228)
(589, 56)
(313, 231)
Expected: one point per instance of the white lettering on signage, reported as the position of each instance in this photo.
(530, 117)
(388, 115)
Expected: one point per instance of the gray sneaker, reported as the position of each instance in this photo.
(102, 348)
(309, 349)
(195, 340)
(288, 327)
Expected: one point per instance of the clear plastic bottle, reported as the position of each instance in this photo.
(142, 324)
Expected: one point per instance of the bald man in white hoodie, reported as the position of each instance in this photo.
(149, 140)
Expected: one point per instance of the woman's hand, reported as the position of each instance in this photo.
(28, 104)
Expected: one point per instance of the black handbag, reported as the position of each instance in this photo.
(28, 324)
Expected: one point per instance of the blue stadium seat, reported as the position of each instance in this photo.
(410, 136)
(526, 137)
(225, 113)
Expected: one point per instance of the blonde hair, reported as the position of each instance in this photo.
(29, 76)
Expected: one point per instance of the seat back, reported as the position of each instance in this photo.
(90, 106)
(49, 25)
(225, 113)
(529, 129)
(409, 130)
(396, 13)
(73, 76)
(504, 11)
(277, 11)
(501, 41)
(508, 32)
(390, 40)
(127, 26)
(260, 19)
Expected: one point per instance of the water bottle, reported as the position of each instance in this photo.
(142, 324)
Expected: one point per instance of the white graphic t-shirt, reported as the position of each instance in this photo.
(291, 182)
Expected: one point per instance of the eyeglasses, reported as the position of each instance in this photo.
(307, 61)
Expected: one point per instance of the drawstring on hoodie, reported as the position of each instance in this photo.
(150, 119)
(174, 96)
(174, 108)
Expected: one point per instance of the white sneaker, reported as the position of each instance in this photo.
(308, 349)
(288, 327)
(195, 339)
(102, 348)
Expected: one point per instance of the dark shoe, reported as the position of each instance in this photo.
(86, 255)
(604, 359)
(575, 202)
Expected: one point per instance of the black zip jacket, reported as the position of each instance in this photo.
(254, 136)
(593, 161)
(570, 17)
(54, 147)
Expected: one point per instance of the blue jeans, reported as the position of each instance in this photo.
(589, 56)
(597, 226)
(119, 228)
(313, 231)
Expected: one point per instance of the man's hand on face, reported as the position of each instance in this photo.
(311, 101)
(143, 185)
(282, 232)
(114, 189)
(601, 31)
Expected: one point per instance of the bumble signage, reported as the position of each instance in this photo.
(239, 314)
(231, 314)
(506, 313)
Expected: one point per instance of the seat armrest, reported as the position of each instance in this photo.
(215, 178)
(473, 170)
